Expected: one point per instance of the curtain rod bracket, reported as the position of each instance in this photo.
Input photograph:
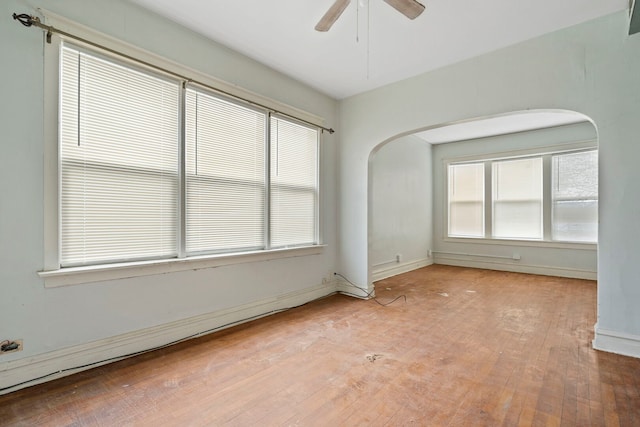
(29, 21)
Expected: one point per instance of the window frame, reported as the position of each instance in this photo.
(449, 202)
(553, 201)
(183, 249)
(270, 182)
(546, 153)
(495, 180)
(146, 72)
(52, 273)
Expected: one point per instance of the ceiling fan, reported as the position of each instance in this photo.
(409, 8)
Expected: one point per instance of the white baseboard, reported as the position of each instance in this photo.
(616, 342)
(366, 292)
(394, 270)
(517, 267)
(59, 363)
(346, 288)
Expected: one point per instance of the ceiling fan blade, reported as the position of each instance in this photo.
(409, 8)
(332, 15)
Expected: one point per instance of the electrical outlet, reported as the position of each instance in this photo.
(10, 345)
(398, 257)
(327, 279)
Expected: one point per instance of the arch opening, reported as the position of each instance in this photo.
(408, 218)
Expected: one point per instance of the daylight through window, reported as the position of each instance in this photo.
(154, 168)
(521, 205)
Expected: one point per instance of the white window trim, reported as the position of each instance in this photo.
(546, 153)
(523, 243)
(98, 273)
(53, 275)
(318, 222)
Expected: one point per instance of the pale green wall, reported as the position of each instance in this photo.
(400, 202)
(591, 68)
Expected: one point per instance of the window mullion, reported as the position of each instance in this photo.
(182, 193)
(488, 200)
(318, 190)
(267, 184)
(546, 197)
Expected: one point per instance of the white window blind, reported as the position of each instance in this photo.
(294, 183)
(225, 175)
(517, 198)
(130, 190)
(466, 200)
(575, 197)
(118, 152)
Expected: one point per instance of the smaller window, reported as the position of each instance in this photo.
(466, 200)
(575, 197)
(225, 175)
(294, 184)
(517, 198)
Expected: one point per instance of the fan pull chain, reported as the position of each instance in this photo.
(368, 36)
(358, 21)
(359, 4)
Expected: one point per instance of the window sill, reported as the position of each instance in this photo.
(104, 272)
(525, 243)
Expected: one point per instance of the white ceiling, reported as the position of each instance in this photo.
(500, 125)
(372, 45)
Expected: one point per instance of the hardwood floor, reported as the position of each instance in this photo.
(468, 348)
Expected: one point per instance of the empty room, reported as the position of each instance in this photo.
(329, 212)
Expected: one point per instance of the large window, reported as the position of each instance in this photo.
(119, 161)
(152, 167)
(547, 197)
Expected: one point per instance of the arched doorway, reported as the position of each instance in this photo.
(408, 206)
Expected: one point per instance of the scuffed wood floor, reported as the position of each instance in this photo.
(468, 348)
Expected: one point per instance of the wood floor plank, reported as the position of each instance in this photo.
(462, 347)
